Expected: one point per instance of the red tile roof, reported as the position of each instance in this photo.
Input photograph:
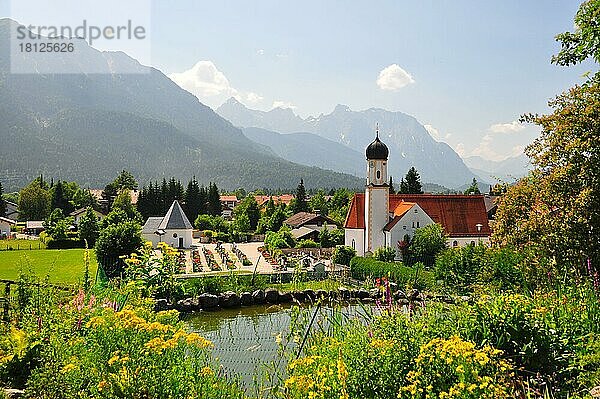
(458, 214)
(278, 199)
(229, 198)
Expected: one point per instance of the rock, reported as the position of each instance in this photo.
(344, 293)
(14, 393)
(465, 298)
(321, 294)
(299, 296)
(310, 294)
(161, 305)
(246, 299)
(187, 305)
(271, 295)
(229, 299)
(284, 297)
(447, 299)
(374, 293)
(399, 295)
(413, 294)
(404, 302)
(208, 301)
(258, 297)
(362, 294)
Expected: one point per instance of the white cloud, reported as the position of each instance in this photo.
(204, 80)
(283, 104)
(460, 150)
(436, 134)
(260, 51)
(485, 150)
(254, 98)
(510, 127)
(394, 78)
(211, 86)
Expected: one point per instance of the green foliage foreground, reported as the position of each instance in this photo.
(506, 346)
(90, 346)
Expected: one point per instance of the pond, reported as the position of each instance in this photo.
(246, 339)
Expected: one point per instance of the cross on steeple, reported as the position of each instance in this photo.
(377, 129)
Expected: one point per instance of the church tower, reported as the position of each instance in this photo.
(377, 195)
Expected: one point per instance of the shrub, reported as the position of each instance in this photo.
(115, 241)
(363, 268)
(67, 243)
(343, 255)
(461, 268)
(427, 242)
(307, 244)
(385, 254)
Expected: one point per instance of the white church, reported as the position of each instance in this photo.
(174, 228)
(379, 219)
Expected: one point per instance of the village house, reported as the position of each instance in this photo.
(378, 219)
(78, 213)
(228, 203)
(262, 200)
(174, 228)
(5, 224)
(34, 227)
(12, 210)
(307, 225)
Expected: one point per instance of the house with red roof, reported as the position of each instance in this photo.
(378, 219)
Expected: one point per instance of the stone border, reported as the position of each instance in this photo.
(272, 296)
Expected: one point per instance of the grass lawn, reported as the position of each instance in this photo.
(21, 244)
(62, 265)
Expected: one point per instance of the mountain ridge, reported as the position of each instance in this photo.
(56, 123)
(409, 142)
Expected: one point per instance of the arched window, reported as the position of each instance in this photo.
(379, 174)
(353, 243)
(455, 243)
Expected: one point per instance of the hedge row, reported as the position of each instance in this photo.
(65, 244)
(362, 268)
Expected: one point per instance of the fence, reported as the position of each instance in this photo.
(22, 245)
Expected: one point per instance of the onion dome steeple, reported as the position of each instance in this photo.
(377, 150)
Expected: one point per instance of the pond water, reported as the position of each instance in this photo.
(246, 339)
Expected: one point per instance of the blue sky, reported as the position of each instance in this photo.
(474, 66)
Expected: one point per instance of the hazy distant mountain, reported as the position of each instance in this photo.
(278, 119)
(506, 170)
(310, 149)
(88, 127)
(409, 142)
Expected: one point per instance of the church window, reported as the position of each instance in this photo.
(417, 224)
(404, 227)
(455, 243)
(379, 174)
(353, 243)
(413, 225)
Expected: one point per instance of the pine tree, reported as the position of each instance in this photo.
(192, 199)
(59, 199)
(3, 208)
(392, 191)
(203, 201)
(300, 203)
(214, 200)
(413, 182)
(164, 197)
